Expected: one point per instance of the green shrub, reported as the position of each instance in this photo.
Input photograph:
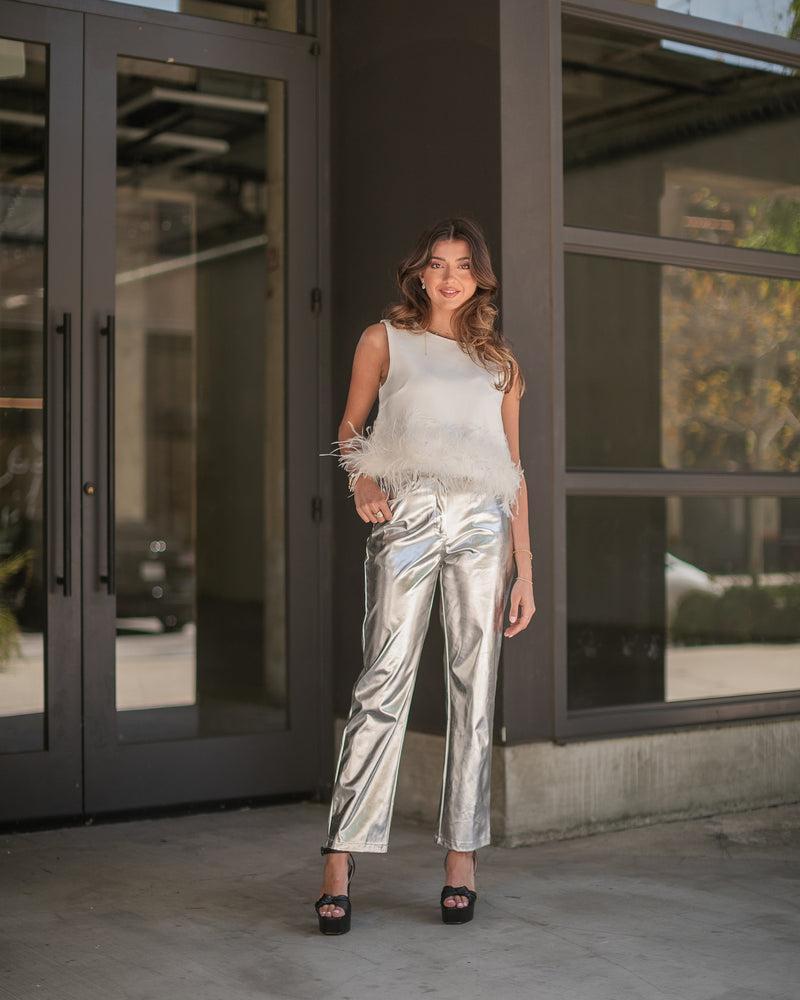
(741, 614)
(696, 620)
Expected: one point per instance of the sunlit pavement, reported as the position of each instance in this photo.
(153, 669)
(219, 907)
(727, 671)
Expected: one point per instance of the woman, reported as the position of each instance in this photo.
(440, 481)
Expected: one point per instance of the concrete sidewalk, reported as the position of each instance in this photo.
(218, 906)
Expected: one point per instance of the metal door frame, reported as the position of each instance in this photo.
(119, 777)
(84, 769)
(49, 782)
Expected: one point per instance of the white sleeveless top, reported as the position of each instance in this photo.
(439, 418)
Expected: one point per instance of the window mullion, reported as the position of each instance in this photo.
(658, 482)
(682, 253)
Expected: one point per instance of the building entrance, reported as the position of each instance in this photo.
(154, 321)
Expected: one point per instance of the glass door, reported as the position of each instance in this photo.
(40, 225)
(198, 338)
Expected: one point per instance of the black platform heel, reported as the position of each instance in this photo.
(459, 914)
(336, 925)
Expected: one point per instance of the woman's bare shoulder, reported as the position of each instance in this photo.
(374, 343)
(375, 337)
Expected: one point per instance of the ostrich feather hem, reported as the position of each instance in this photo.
(398, 455)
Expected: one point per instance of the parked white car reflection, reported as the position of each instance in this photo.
(682, 579)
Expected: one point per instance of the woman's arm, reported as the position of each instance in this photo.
(370, 368)
(521, 605)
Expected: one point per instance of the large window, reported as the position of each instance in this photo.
(681, 366)
(647, 624)
(677, 140)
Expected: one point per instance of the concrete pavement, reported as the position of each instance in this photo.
(218, 906)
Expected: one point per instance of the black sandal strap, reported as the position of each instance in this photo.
(460, 890)
(327, 900)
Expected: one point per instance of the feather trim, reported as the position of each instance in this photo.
(397, 454)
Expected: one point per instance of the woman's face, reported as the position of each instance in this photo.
(448, 277)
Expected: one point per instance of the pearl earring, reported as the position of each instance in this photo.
(423, 283)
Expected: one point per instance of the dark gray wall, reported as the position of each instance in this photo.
(415, 129)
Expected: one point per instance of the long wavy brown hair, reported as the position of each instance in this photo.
(473, 323)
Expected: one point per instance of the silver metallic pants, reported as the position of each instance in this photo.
(463, 541)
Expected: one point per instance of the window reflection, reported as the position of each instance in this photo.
(23, 121)
(682, 598)
(279, 15)
(667, 139)
(730, 371)
(681, 368)
(777, 17)
(200, 401)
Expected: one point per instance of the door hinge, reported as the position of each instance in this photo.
(315, 49)
(316, 301)
(316, 508)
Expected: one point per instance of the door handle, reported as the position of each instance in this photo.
(64, 329)
(109, 333)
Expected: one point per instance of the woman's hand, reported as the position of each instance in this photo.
(521, 607)
(372, 503)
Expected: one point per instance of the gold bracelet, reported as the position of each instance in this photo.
(351, 480)
(525, 580)
(515, 551)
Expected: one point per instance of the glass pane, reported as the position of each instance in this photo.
(280, 15)
(201, 646)
(23, 134)
(777, 17)
(681, 598)
(665, 139)
(682, 369)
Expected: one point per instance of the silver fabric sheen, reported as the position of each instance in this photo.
(462, 541)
